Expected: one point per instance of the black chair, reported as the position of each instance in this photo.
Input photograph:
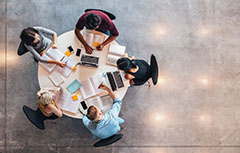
(21, 49)
(108, 141)
(154, 69)
(110, 15)
(36, 117)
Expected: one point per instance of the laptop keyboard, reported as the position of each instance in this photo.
(111, 81)
(115, 80)
(118, 79)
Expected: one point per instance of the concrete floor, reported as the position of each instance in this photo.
(193, 109)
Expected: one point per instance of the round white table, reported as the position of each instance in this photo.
(82, 72)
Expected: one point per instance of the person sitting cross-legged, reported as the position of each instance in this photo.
(104, 126)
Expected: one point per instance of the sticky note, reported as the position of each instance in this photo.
(75, 97)
(95, 44)
(67, 53)
(74, 68)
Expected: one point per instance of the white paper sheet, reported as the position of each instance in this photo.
(66, 102)
(66, 70)
(117, 49)
(47, 66)
(112, 59)
(87, 89)
(54, 54)
(88, 37)
(104, 103)
(55, 78)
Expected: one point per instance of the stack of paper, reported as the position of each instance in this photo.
(66, 102)
(55, 54)
(93, 39)
(68, 68)
(90, 86)
(51, 54)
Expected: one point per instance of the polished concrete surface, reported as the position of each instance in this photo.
(193, 109)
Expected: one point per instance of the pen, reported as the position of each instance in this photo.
(80, 111)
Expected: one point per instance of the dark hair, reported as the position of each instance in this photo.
(91, 21)
(125, 64)
(28, 35)
(92, 113)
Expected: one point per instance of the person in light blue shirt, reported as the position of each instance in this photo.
(104, 126)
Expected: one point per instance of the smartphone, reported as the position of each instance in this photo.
(78, 52)
(70, 49)
(84, 105)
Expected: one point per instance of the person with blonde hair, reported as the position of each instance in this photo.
(46, 102)
(104, 125)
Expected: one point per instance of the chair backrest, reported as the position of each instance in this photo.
(108, 141)
(35, 117)
(21, 49)
(154, 69)
(110, 15)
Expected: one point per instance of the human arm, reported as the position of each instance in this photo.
(88, 48)
(55, 109)
(112, 95)
(36, 55)
(126, 55)
(85, 121)
(129, 76)
(45, 30)
(42, 59)
(116, 107)
(109, 39)
(61, 64)
(131, 81)
(48, 32)
(79, 26)
(113, 35)
(54, 41)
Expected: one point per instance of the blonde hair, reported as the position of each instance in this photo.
(44, 97)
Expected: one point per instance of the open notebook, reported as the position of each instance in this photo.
(93, 39)
(55, 54)
(55, 78)
(51, 54)
(104, 103)
(115, 52)
(66, 70)
(90, 86)
(66, 102)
